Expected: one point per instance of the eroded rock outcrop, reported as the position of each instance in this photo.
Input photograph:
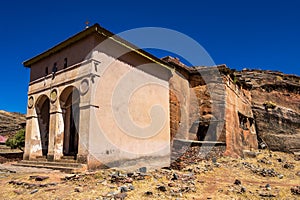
(276, 107)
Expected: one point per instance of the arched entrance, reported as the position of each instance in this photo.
(42, 109)
(69, 101)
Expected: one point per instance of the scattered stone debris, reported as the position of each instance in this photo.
(73, 177)
(295, 190)
(280, 160)
(265, 161)
(185, 156)
(280, 176)
(175, 177)
(31, 185)
(38, 178)
(250, 154)
(78, 189)
(261, 171)
(120, 196)
(143, 169)
(18, 192)
(267, 194)
(131, 187)
(297, 156)
(288, 166)
(161, 188)
(34, 191)
(173, 184)
(123, 189)
(148, 193)
(243, 189)
(237, 182)
(268, 186)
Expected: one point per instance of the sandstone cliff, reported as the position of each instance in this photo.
(276, 107)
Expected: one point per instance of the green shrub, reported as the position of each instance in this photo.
(269, 104)
(17, 141)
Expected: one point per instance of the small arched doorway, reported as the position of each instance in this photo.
(69, 100)
(42, 110)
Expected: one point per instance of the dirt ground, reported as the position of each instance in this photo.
(271, 175)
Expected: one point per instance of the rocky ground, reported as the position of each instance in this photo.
(270, 175)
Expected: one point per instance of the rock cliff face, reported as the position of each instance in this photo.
(259, 106)
(276, 107)
(10, 122)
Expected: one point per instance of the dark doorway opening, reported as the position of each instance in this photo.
(207, 132)
(42, 107)
(71, 118)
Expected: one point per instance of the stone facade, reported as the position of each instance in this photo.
(97, 105)
(216, 108)
(99, 101)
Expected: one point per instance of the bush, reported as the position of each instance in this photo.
(269, 104)
(17, 141)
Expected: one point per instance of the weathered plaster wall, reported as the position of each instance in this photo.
(131, 117)
(75, 53)
(179, 106)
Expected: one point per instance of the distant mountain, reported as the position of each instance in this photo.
(11, 122)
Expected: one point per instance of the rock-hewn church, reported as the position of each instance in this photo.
(98, 100)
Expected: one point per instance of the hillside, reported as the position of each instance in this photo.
(10, 122)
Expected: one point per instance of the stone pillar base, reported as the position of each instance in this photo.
(50, 157)
(82, 159)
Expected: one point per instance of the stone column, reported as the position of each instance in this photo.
(28, 133)
(83, 132)
(29, 126)
(56, 127)
(84, 120)
(59, 136)
(33, 147)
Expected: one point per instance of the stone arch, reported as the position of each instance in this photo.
(42, 107)
(69, 102)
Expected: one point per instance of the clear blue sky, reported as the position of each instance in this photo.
(252, 34)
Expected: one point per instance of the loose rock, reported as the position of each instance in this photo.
(143, 169)
(120, 196)
(162, 188)
(237, 182)
(295, 190)
(123, 189)
(34, 191)
(78, 189)
(148, 193)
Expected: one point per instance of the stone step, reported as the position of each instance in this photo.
(52, 163)
(68, 157)
(41, 158)
(62, 166)
(63, 160)
(197, 143)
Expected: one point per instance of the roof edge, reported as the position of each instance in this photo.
(61, 45)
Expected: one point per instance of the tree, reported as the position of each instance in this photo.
(17, 141)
